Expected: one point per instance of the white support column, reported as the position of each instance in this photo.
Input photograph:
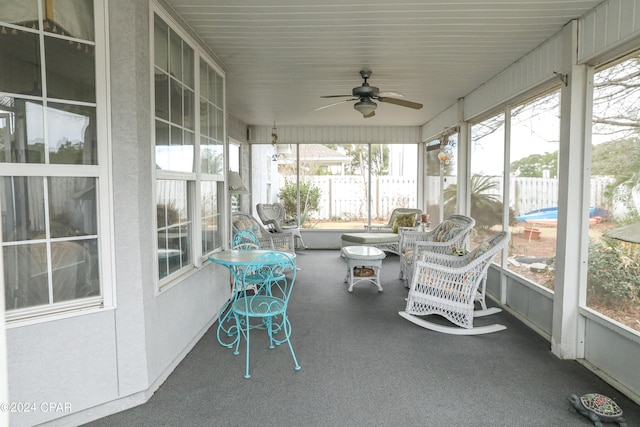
(422, 176)
(506, 189)
(464, 154)
(566, 334)
(4, 373)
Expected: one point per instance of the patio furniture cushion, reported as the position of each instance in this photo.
(388, 227)
(247, 224)
(371, 238)
(444, 231)
(481, 249)
(403, 220)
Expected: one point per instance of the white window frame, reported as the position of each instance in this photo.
(196, 177)
(102, 172)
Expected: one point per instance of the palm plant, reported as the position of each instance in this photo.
(485, 203)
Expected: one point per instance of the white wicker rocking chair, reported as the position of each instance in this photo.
(446, 237)
(273, 216)
(283, 241)
(449, 285)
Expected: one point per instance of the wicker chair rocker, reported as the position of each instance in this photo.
(265, 307)
(283, 241)
(445, 238)
(449, 285)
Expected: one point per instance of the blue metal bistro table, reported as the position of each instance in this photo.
(235, 261)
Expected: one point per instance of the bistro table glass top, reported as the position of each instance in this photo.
(238, 258)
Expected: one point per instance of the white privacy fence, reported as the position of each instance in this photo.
(527, 194)
(345, 197)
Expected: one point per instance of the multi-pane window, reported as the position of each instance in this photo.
(532, 213)
(189, 151)
(211, 120)
(339, 185)
(533, 189)
(48, 117)
(613, 278)
(487, 177)
(440, 178)
(174, 100)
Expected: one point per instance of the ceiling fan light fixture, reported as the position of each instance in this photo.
(365, 107)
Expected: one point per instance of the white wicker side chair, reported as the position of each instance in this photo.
(449, 234)
(449, 285)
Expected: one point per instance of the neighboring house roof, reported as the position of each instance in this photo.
(321, 153)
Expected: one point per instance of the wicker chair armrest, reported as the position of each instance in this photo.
(448, 261)
(409, 236)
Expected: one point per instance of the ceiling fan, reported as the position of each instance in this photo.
(365, 95)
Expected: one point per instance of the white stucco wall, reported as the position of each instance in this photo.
(109, 359)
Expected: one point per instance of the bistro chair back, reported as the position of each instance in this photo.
(278, 241)
(265, 306)
(245, 240)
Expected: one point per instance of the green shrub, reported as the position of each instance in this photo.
(309, 198)
(614, 273)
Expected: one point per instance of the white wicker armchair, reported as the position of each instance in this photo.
(449, 285)
(449, 234)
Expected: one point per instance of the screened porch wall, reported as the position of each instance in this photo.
(611, 28)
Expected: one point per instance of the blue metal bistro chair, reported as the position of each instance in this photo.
(245, 240)
(266, 306)
(242, 240)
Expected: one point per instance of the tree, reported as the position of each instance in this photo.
(533, 165)
(615, 103)
(620, 158)
(615, 100)
(68, 152)
(360, 154)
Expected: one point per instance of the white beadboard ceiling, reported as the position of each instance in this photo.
(282, 55)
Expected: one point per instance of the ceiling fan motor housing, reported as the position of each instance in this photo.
(365, 90)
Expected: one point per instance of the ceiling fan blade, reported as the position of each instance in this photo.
(335, 103)
(393, 94)
(335, 96)
(401, 102)
(371, 114)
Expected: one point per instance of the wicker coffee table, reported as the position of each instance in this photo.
(364, 263)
